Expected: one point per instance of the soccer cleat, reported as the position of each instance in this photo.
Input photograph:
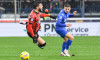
(62, 54)
(66, 53)
(39, 46)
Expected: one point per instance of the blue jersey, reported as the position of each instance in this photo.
(62, 19)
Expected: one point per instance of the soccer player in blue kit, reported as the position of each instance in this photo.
(62, 31)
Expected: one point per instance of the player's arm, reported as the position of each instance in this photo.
(30, 30)
(44, 15)
(59, 22)
(47, 15)
(29, 26)
(71, 15)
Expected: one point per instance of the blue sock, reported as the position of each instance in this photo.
(68, 43)
(63, 46)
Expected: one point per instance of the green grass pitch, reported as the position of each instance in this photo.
(84, 48)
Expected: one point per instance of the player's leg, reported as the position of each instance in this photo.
(62, 33)
(65, 39)
(29, 34)
(40, 42)
(68, 38)
(63, 46)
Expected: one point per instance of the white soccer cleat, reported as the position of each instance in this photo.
(66, 53)
(62, 54)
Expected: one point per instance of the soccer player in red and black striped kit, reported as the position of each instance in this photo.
(33, 24)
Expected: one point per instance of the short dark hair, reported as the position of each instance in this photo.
(37, 4)
(67, 5)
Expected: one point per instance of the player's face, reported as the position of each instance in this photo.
(40, 7)
(67, 9)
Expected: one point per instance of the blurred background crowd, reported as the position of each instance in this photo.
(24, 7)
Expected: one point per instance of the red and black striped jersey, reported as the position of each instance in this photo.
(33, 24)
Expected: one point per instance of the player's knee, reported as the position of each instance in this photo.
(42, 45)
(65, 39)
(71, 38)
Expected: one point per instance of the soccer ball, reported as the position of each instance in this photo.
(24, 55)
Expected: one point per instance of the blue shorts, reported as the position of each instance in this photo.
(61, 32)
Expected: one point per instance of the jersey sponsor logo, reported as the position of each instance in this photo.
(60, 17)
(62, 14)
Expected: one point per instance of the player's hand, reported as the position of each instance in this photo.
(54, 17)
(34, 39)
(69, 25)
(74, 12)
(22, 22)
